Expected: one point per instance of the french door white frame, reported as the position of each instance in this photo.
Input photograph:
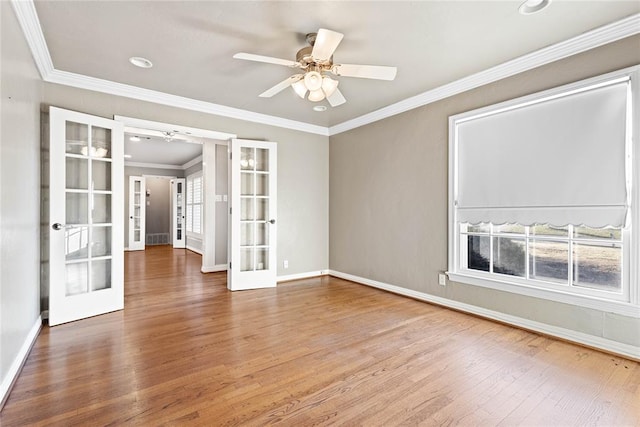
(252, 215)
(68, 305)
(139, 243)
(179, 206)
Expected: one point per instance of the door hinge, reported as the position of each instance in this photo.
(230, 156)
(230, 209)
(229, 266)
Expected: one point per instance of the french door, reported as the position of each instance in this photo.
(137, 211)
(253, 208)
(179, 208)
(86, 216)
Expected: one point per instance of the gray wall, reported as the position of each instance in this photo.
(158, 205)
(140, 171)
(388, 197)
(193, 169)
(303, 168)
(21, 90)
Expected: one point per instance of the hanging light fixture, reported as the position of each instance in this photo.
(318, 86)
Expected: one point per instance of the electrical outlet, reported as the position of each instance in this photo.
(285, 263)
(442, 279)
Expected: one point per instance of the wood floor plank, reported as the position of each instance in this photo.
(320, 351)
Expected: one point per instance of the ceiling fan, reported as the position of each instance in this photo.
(316, 61)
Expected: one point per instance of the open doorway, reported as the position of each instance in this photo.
(186, 168)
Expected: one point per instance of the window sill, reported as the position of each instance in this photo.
(617, 307)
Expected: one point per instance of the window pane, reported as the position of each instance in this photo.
(475, 228)
(549, 261)
(509, 228)
(509, 256)
(478, 252)
(597, 266)
(609, 233)
(549, 230)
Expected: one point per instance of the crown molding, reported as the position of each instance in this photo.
(192, 162)
(30, 24)
(153, 165)
(120, 89)
(28, 18)
(600, 36)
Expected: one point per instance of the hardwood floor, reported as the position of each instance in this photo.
(312, 352)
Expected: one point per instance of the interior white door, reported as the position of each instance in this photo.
(252, 219)
(86, 215)
(179, 208)
(136, 213)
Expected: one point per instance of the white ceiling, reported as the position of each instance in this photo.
(157, 150)
(191, 44)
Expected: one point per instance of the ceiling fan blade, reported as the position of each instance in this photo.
(267, 59)
(326, 43)
(336, 98)
(365, 71)
(281, 86)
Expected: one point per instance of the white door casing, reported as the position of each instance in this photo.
(252, 221)
(86, 216)
(137, 210)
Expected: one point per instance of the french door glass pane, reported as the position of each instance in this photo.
(76, 138)
(77, 173)
(76, 242)
(262, 209)
(101, 175)
(262, 259)
(262, 234)
(246, 234)
(246, 209)
(77, 208)
(101, 208)
(100, 274)
(100, 142)
(100, 241)
(262, 185)
(246, 184)
(247, 159)
(246, 259)
(262, 159)
(77, 278)
(549, 261)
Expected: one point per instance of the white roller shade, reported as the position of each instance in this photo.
(560, 161)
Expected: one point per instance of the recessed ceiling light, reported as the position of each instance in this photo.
(141, 62)
(134, 138)
(320, 108)
(533, 6)
(127, 156)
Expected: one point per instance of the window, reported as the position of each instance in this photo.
(542, 192)
(194, 203)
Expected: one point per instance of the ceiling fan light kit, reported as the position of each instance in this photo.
(317, 61)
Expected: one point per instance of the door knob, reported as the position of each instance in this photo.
(57, 226)
(272, 221)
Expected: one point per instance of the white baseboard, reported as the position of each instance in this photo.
(299, 276)
(215, 268)
(18, 362)
(605, 344)
(196, 250)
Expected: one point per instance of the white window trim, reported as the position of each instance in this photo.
(188, 226)
(631, 307)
